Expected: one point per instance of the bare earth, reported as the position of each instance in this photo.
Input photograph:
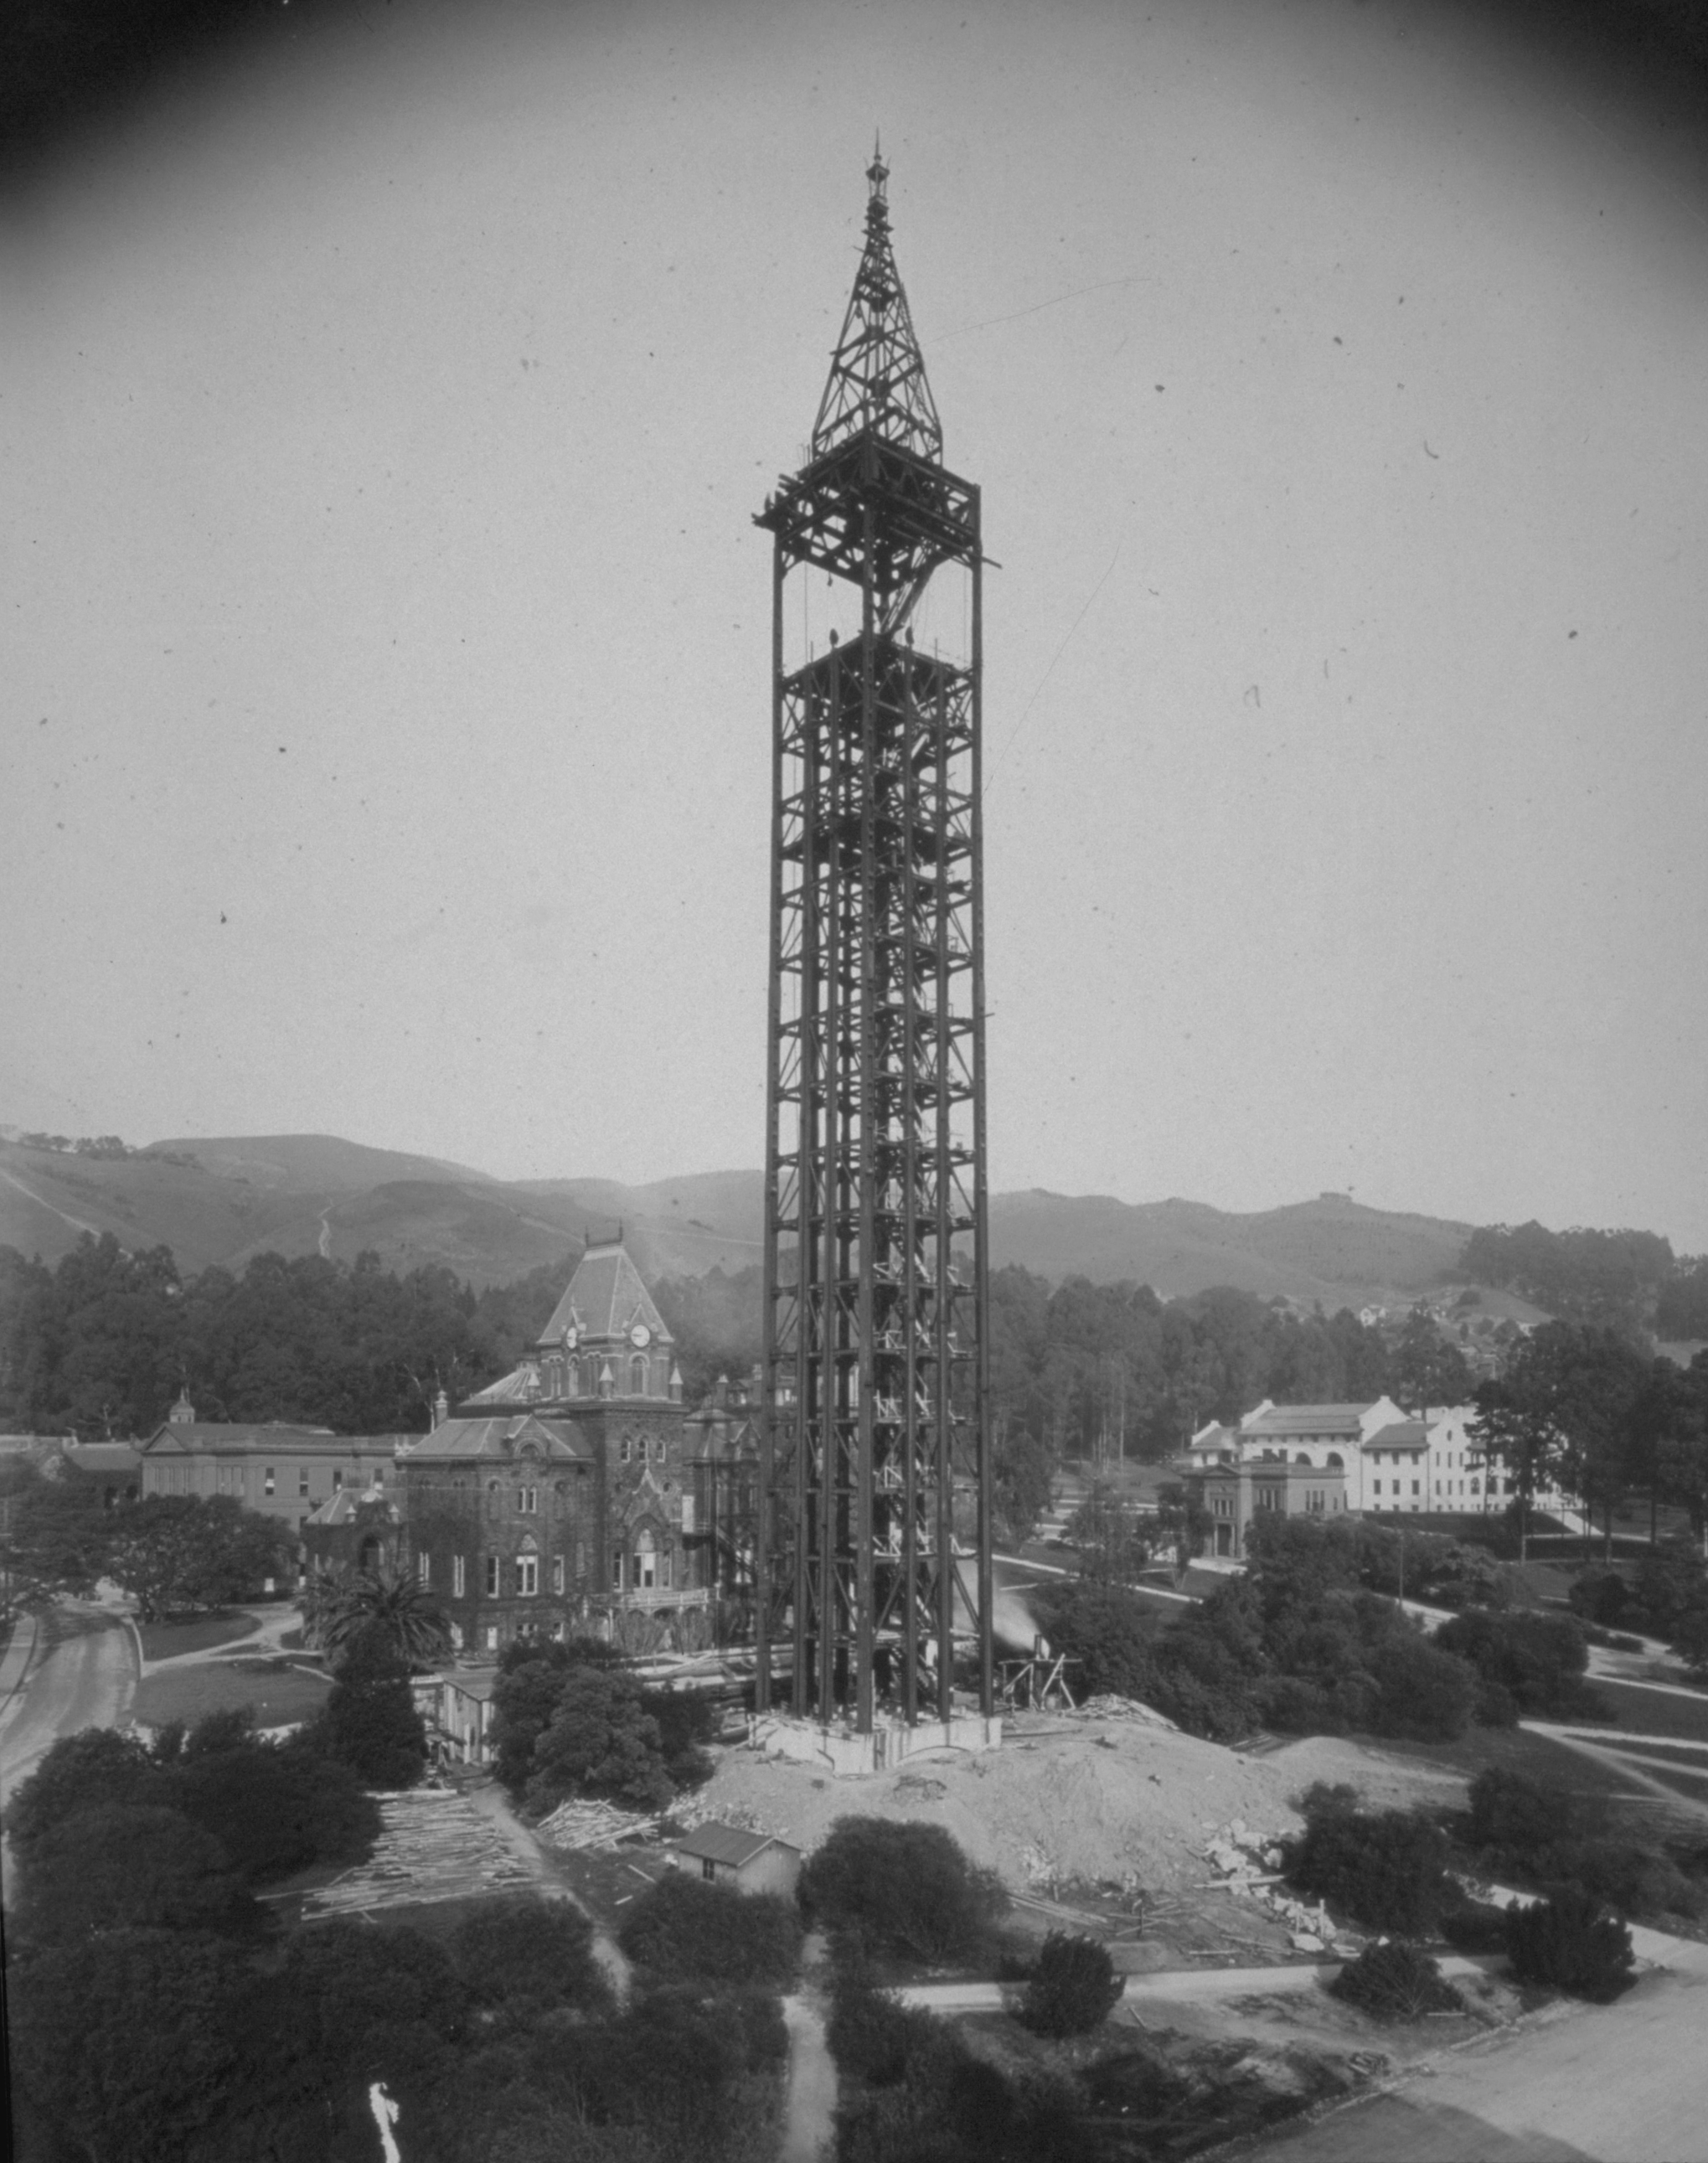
(1081, 1799)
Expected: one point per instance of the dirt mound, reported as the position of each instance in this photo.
(1385, 1780)
(1075, 1800)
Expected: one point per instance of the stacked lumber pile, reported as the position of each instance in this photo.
(583, 1825)
(432, 1846)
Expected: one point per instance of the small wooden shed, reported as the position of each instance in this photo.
(751, 1862)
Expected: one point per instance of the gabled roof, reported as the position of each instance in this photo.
(202, 1436)
(713, 1842)
(345, 1505)
(508, 1436)
(1307, 1419)
(1399, 1434)
(101, 1456)
(604, 1300)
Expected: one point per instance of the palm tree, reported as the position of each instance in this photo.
(339, 1604)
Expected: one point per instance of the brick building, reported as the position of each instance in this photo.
(284, 1472)
(564, 1496)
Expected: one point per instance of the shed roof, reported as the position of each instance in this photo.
(714, 1842)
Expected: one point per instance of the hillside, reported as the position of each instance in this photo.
(299, 1194)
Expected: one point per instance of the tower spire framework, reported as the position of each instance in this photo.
(874, 1556)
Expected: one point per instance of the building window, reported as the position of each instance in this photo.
(492, 1637)
(527, 1574)
(638, 1375)
(337, 1478)
(557, 1572)
(267, 1479)
(492, 1577)
(580, 1560)
(1417, 1487)
(424, 1567)
(573, 1378)
(458, 1577)
(616, 1569)
(301, 1480)
(492, 1498)
(379, 1475)
(527, 1500)
(626, 1450)
(708, 1870)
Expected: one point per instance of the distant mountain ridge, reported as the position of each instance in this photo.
(304, 1194)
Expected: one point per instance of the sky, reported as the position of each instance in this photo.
(384, 404)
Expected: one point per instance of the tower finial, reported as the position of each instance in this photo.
(877, 373)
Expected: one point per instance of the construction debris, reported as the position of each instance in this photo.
(1247, 1864)
(581, 1825)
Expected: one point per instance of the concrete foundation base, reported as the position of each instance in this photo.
(845, 1754)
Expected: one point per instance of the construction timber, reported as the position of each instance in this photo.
(873, 1554)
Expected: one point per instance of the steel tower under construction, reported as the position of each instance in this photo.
(874, 1553)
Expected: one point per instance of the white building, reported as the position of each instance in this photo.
(1393, 1460)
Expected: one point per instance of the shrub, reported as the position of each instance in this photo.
(1427, 1695)
(1395, 1980)
(1623, 1874)
(1540, 1658)
(1600, 1596)
(525, 1956)
(601, 1740)
(1515, 1815)
(85, 1771)
(1567, 1942)
(1110, 1633)
(1495, 1705)
(684, 1929)
(1387, 1868)
(872, 2035)
(1475, 1926)
(369, 1722)
(275, 1809)
(899, 1887)
(1074, 1987)
(132, 1866)
(1290, 1705)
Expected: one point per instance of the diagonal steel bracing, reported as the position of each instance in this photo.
(874, 1549)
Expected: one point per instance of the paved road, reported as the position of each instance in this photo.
(88, 1679)
(1619, 2084)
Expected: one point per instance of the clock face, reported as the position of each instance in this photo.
(640, 1337)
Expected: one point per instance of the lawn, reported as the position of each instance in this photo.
(166, 1641)
(280, 1693)
(1655, 1711)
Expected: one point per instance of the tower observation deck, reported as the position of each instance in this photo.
(873, 1555)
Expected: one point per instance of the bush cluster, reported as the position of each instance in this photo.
(1396, 1981)
(568, 1720)
(681, 1930)
(910, 2087)
(1570, 1943)
(889, 1887)
(1387, 1869)
(1539, 1835)
(1073, 1986)
(1538, 1660)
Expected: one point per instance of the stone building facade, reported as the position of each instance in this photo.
(562, 1498)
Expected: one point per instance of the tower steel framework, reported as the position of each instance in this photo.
(873, 1552)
